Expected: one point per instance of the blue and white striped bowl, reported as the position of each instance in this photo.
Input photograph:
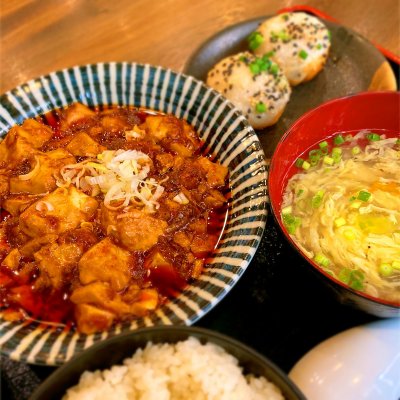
(229, 137)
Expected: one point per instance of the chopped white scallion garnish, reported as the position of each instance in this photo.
(135, 133)
(31, 173)
(121, 175)
(43, 206)
(181, 198)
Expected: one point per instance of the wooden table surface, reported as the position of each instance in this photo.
(40, 36)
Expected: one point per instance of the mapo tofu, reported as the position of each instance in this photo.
(105, 214)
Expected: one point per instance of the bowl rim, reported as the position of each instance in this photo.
(275, 207)
(204, 335)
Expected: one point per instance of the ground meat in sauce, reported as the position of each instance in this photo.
(66, 255)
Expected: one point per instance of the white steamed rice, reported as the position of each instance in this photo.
(187, 370)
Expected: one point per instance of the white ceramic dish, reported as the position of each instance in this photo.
(362, 363)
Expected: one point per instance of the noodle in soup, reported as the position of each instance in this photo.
(342, 209)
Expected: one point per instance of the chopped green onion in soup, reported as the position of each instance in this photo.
(344, 204)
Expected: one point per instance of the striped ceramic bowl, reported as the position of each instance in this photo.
(224, 130)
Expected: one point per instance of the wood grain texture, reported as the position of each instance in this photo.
(39, 36)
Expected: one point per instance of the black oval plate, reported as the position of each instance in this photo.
(352, 63)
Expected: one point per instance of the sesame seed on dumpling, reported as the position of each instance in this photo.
(298, 42)
(255, 85)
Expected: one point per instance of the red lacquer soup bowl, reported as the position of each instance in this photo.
(379, 111)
